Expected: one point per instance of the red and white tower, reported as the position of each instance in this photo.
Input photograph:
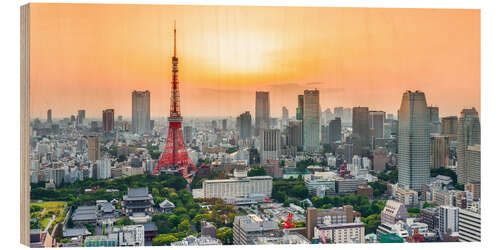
(174, 156)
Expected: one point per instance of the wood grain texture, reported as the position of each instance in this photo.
(25, 112)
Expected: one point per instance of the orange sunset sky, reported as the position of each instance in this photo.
(89, 56)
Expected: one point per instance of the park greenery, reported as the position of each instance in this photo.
(75, 193)
(257, 171)
(379, 188)
(390, 176)
(43, 213)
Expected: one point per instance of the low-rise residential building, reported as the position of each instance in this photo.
(340, 233)
(365, 190)
(393, 212)
(406, 196)
(338, 215)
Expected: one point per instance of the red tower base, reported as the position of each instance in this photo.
(174, 155)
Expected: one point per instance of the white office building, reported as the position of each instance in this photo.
(103, 169)
(448, 219)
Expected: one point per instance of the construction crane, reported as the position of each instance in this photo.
(288, 222)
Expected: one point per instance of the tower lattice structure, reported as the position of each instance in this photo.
(174, 156)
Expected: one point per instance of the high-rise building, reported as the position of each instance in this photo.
(244, 122)
(300, 108)
(324, 135)
(262, 111)
(414, 141)
(108, 120)
(94, 150)
(284, 117)
(360, 130)
(376, 121)
(56, 175)
(449, 125)
(379, 159)
(141, 115)
(328, 116)
(335, 130)
(294, 134)
(347, 118)
(469, 226)
(434, 120)
(439, 151)
(188, 134)
(468, 134)
(49, 116)
(311, 128)
(81, 116)
(270, 144)
(433, 114)
(224, 124)
(103, 169)
(448, 219)
(473, 164)
(338, 112)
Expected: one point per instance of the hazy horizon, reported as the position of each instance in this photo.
(92, 56)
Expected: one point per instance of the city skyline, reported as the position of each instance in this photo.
(369, 52)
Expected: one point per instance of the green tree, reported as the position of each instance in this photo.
(225, 235)
(184, 226)
(125, 221)
(164, 240)
(257, 171)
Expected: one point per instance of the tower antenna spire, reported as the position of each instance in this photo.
(175, 38)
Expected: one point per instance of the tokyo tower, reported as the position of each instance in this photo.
(174, 156)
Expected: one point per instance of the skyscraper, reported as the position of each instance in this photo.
(376, 121)
(49, 116)
(335, 130)
(94, 150)
(270, 145)
(262, 110)
(468, 134)
(224, 124)
(294, 134)
(188, 134)
(414, 141)
(360, 130)
(141, 112)
(473, 164)
(81, 116)
(284, 117)
(449, 125)
(434, 120)
(338, 112)
(311, 128)
(300, 108)
(108, 120)
(439, 151)
(244, 122)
